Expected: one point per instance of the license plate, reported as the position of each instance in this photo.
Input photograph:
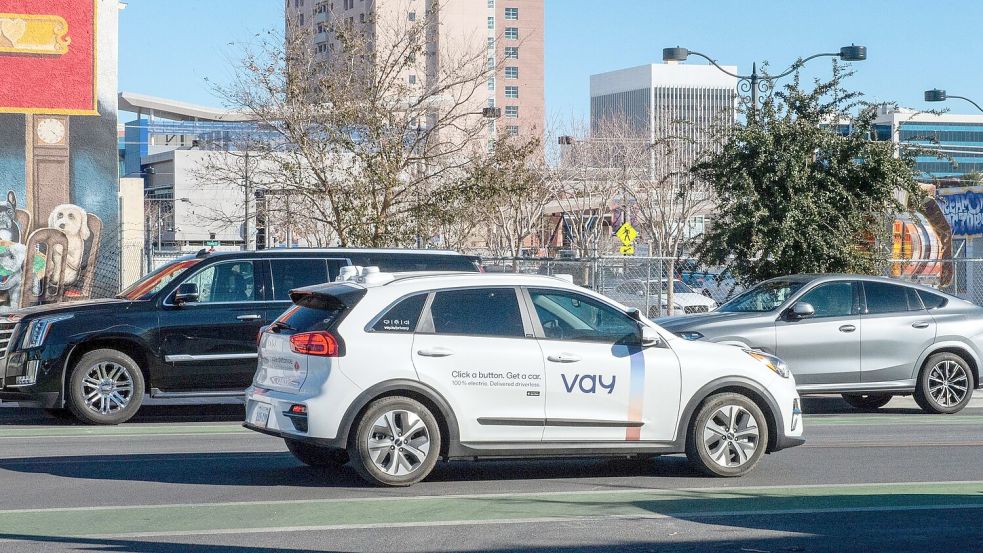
(261, 415)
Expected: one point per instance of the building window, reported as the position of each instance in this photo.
(512, 14)
(491, 83)
(511, 52)
(491, 102)
(491, 63)
(512, 130)
(412, 79)
(511, 72)
(491, 43)
(512, 111)
(512, 33)
(411, 16)
(491, 22)
(300, 20)
(511, 91)
(361, 17)
(491, 3)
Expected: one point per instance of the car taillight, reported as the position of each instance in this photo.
(321, 343)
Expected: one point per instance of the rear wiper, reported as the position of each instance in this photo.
(280, 325)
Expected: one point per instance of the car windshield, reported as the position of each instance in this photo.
(152, 283)
(763, 297)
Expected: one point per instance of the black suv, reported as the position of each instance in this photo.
(186, 330)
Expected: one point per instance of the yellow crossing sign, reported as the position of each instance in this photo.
(627, 250)
(627, 234)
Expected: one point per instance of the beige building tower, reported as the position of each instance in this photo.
(511, 31)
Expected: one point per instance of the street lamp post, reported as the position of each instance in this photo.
(939, 95)
(755, 82)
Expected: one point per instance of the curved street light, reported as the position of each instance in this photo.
(755, 82)
(939, 95)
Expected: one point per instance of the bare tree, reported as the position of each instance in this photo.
(379, 132)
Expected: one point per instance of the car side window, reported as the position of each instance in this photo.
(571, 316)
(477, 312)
(932, 301)
(832, 299)
(228, 282)
(402, 317)
(883, 297)
(296, 273)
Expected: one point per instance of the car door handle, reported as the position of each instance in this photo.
(435, 352)
(563, 358)
(847, 328)
(919, 324)
(249, 317)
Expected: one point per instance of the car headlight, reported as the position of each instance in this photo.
(37, 330)
(770, 361)
(689, 335)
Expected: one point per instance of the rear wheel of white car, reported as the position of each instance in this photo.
(945, 384)
(867, 402)
(727, 436)
(396, 442)
(317, 456)
(105, 387)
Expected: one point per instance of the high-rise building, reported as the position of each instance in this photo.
(665, 99)
(510, 30)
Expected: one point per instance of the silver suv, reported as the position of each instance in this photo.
(867, 338)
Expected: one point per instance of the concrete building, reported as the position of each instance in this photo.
(511, 31)
(958, 138)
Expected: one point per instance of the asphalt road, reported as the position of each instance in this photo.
(190, 478)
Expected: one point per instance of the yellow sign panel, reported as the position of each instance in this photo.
(33, 34)
(627, 234)
(627, 250)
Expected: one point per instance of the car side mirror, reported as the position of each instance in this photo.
(649, 337)
(803, 310)
(186, 293)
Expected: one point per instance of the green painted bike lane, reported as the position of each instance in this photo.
(388, 510)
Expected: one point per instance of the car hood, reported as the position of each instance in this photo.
(702, 320)
(69, 307)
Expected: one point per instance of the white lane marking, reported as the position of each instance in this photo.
(645, 491)
(159, 435)
(154, 457)
(536, 520)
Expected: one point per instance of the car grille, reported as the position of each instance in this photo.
(6, 329)
(695, 309)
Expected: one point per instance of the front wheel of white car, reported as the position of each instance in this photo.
(727, 436)
(396, 442)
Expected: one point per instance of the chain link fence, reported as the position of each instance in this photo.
(642, 282)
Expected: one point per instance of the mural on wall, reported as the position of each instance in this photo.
(58, 151)
(963, 208)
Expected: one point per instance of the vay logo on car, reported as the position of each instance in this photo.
(588, 383)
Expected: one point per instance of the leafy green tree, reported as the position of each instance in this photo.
(804, 188)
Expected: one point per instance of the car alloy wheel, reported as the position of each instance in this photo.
(396, 442)
(945, 384)
(107, 388)
(399, 442)
(727, 435)
(948, 383)
(731, 436)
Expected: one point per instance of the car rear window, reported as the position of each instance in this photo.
(319, 308)
(306, 319)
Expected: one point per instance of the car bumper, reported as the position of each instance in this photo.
(269, 412)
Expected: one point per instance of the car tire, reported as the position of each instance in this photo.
(316, 456)
(867, 402)
(721, 432)
(105, 387)
(383, 453)
(945, 384)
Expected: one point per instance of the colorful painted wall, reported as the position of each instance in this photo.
(58, 151)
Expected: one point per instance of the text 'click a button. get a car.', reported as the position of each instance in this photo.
(399, 371)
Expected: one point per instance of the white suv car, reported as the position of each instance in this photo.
(393, 371)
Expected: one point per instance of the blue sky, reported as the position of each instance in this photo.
(168, 47)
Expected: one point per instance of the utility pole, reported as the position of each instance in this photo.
(250, 207)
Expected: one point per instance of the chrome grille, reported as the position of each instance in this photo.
(695, 309)
(6, 329)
